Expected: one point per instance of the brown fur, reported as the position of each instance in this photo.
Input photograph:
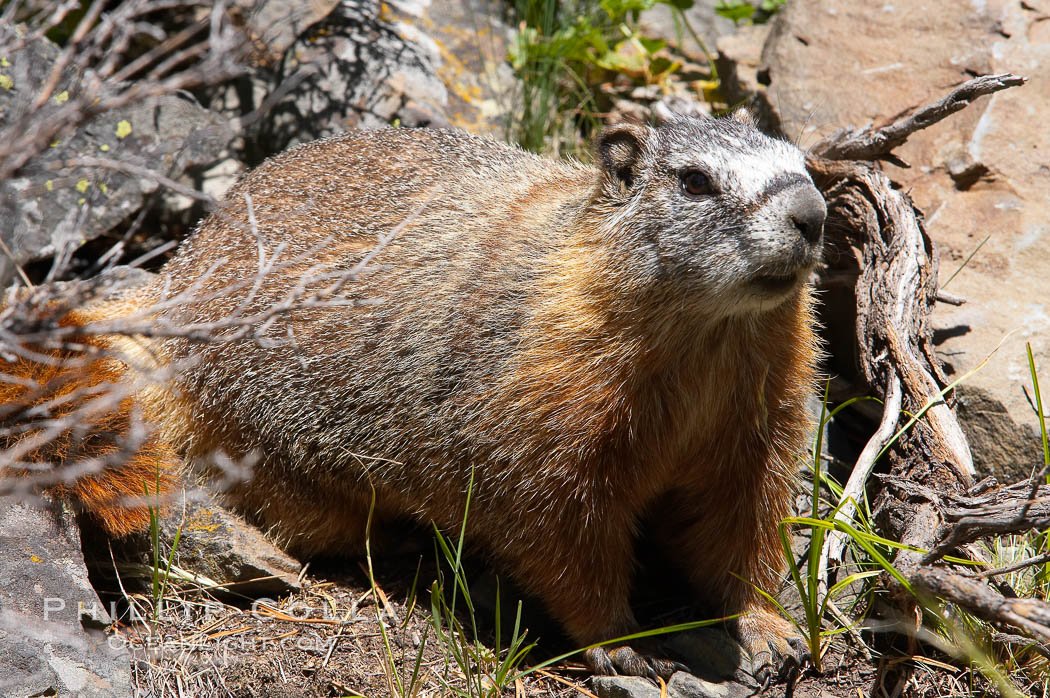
(580, 339)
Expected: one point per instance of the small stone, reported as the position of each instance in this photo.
(624, 687)
(964, 170)
(683, 685)
(221, 546)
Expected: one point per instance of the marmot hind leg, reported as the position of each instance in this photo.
(309, 519)
(72, 412)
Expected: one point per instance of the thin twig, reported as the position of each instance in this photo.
(835, 541)
(1037, 560)
(1030, 615)
(949, 298)
(18, 267)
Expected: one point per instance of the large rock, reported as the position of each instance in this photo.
(51, 642)
(370, 64)
(739, 59)
(49, 208)
(472, 41)
(984, 171)
(274, 25)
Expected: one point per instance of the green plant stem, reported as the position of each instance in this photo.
(1042, 433)
(699, 42)
(816, 543)
(397, 682)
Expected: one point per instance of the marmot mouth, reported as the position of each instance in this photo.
(776, 283)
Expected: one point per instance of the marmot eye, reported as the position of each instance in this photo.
(696, 183)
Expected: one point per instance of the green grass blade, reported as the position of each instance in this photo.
(1039, 407)
(389, 651)
(412, 682)
(807, 591)
(841, 585)
(818, 446)
(875, 554)
(680, 627)
(780, 608)
(965, 261)
(933, 401)
(410, 603)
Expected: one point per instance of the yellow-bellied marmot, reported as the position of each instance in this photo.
(595, 344)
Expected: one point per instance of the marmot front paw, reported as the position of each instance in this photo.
(624, 660)
(776, 646)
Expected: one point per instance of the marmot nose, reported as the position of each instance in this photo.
(807, 212)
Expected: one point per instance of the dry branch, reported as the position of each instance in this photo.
(1030, 615)
(1015, 509)
(894, 294)
(877, 143)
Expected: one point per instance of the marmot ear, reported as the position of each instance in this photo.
(619, 150)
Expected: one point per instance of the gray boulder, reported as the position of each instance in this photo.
(51, 620)
(352, 70)
(370, 65)
(51, 207)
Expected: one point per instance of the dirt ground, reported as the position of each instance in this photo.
(338, 637)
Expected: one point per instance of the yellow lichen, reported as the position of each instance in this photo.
(49, 185)
(204, 520)
(62, 97)
(6, 82)
(123, 128)
(82, 185)
(104, 147)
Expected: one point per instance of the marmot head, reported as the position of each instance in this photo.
(721, 212)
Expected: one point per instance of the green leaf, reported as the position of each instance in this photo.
(618, 9)
(651, 46)
(1038, 404)
(661, 65)
(734, 10)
